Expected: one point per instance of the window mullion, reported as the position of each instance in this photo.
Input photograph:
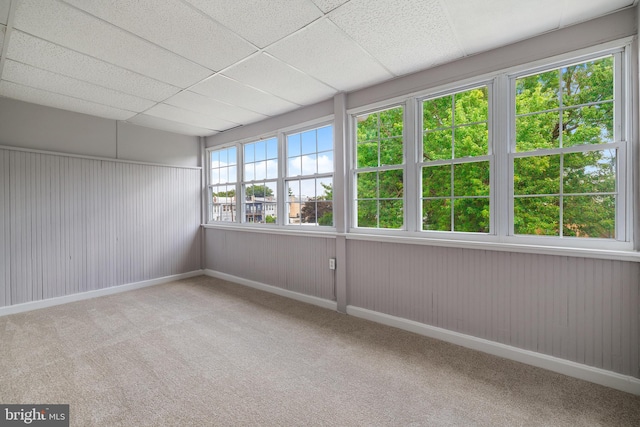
(412, 130)
(502, 142)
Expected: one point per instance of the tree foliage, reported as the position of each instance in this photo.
(319, 209)
(258, 191)
(565, 193)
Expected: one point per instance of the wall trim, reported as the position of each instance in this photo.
(309, 299)
(50, 302)
(577, 370)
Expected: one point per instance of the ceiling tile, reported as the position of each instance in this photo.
(2, 31)
(232, 92)
(41, 97)
(271, 75)
(89, 35)
(481, 26)
(175, 26)
(48, 56)
(405, 35)
(325, 52)
(169, 125)
(4, 11)
(201, 104)
(40, 79)
(581, 10)
(192, 118)
(329, 5)
(261, 22)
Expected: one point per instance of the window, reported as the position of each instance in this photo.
(260, 181)
(379, 169)
(222, 185)
(567, 143)
(455, 162)
(309, 176)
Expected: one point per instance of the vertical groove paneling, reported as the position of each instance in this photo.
(583, 310)
(70, 225)
(299, 264)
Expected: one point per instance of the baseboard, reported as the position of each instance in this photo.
(320, 302)
(577, 370)
(50, 302)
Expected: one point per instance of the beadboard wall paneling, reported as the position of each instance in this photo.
(299, 264)
(582, 310)
(70, 225)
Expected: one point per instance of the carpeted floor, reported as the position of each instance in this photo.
(204, 352)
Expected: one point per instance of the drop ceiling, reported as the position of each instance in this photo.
(199, 67)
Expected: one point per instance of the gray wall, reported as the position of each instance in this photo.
(579, 309)
(70, 225)
(42, 128)
(298, 264)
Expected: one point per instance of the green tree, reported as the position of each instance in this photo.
(230, 193)
(319, 209)
(258, 191)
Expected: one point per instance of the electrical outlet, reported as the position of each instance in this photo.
(332, 263)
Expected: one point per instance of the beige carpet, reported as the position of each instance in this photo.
(203, 352)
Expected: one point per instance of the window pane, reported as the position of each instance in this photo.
(233, 173)
(309, 165)
(391, 214)
(437, 145)
(436, 113)
(272, 169)
(293, 190)
(537, 216)
(471, 140)
(436, 181)
(232, 157)
(260, 203)
(590, 172)
(325, 214)
(471, 215)
(588, 125)
(539, 92)
(294, 210)
(324, 188)
(261, 150)
(391, 151)
(325, 162)
(215, 176)
(538, 131)
(307, 189)
(293, 145)
(309, 142)
(308, 212)
(536, 175)
(295, 166)
(367, 183)
(436, 214)
(588, 82)
(391, 185)
(391, 122)
(367, 154)
(249, 174)
(472, 106)
(325, 138)
(223, 206)
(215, 159)
(471, 179)
(272, 148)
(589, 216)
(367, 213)
(368, 127)
(249, 153)
(261, 170)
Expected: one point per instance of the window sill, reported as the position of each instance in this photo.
(618, 255)
(326, 232)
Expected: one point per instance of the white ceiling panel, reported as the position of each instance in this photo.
(42, 54)
(480, 26)
(271, 75)
(40, 79)
(4, 11)
(192, 118)
(232, 92)
(327, 53)
(201, 104)
(175, 26)
(405, 35)
(261, 22)
(69, 27)
(170, 126)
(329, 5)
(49, 99)
(575, 11)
